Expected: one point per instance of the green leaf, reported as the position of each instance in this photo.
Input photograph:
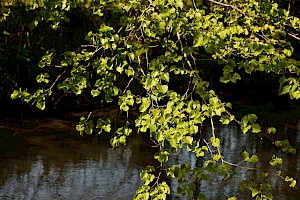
(244, 121)
(180, 190)
(129, 71)
(122, 139)
(275, 161)
(146, 102)
(162, 156)
(245, 129)
(89, 130)
(41, 105)
(107, 128)
(179, 3)
(295, 94)
(228, 105)
(256, 128)
(188, 139)
(165, 77)
(252, 118)
(217, 157)
(263, 58)
(245, 154)
(282, 80)
(145, 176)
(119, 69)
(293, 184)
(288, 179)
(131, 56)
(285, 89)
(98, 12)
(287, 52)
(15, 94)
(232, 198)
(285, 146)
(224, 121)
(127, 131)
(124, 107)
(164, 89)
(115, 91)
(201, 197)
(271, 130)
(192, 186)
(95, 93)
(255, 192)
(108, 98)
(253, 159)
(215, 142)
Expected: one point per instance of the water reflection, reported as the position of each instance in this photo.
(234, 142)
(82, 170)
(89, 179)
(55, 166)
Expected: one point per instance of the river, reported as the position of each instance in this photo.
(52, 164)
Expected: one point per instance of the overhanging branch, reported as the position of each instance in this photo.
(293, 36)
(226, 5)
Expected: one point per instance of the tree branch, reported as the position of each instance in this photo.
(127, 85)
(226, 5)
(55, 82)
(294, 36)
(213, 133)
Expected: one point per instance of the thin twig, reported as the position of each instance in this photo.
(195, 5)
(188, 88)
(213, 133)
(226, 5)
(143, 72)
(211, 153)
(55, 81)
(89, 115)
(158, 176)
(184, 54)
(194, 59)
(179, 40)
(120, 29)
(156, 144)
(153, 46)
(263, 36)
(233, 118)
(191, 93)
(294, 36)
(128, 85)
(147, 61)
(90, 45)
(239, 166)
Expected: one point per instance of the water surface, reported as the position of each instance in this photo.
(53, 165)
(43, 167)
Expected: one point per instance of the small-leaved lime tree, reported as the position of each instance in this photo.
(149, 55)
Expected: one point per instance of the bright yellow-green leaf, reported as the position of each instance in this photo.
(216, 157)
(215, 142)
(255, 192)
(164, 89)
(232, 198)
(293, 184)
(271, 130)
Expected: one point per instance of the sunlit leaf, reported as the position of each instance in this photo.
(293, 183)
(215, 142)
(255, 192)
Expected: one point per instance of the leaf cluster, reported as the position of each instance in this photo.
(141, 47)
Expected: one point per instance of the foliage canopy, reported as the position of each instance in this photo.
(151, 56)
